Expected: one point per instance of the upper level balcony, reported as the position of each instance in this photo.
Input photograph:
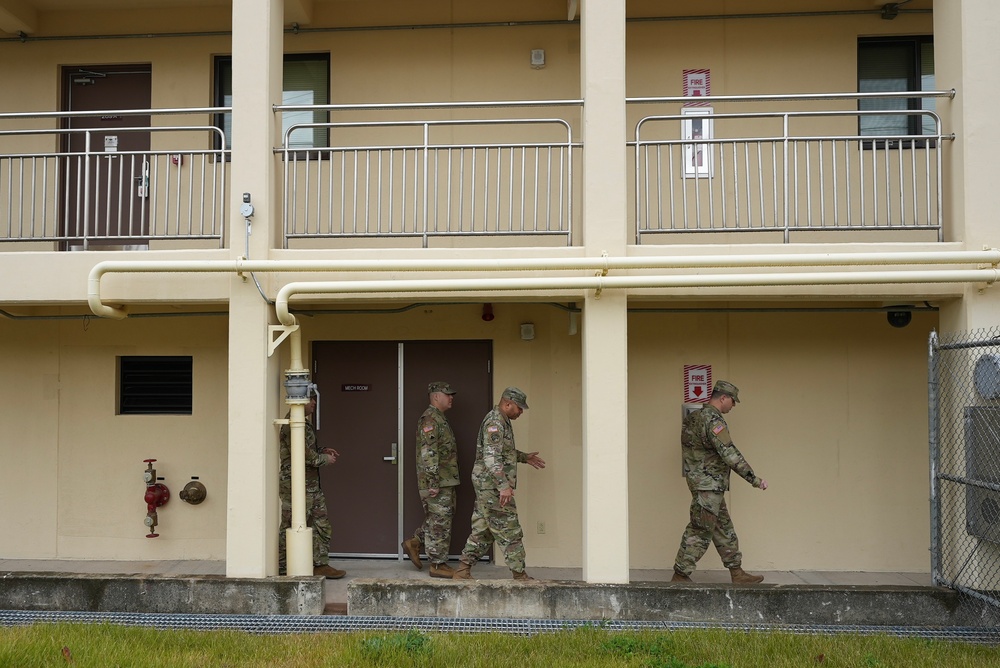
(748, 169)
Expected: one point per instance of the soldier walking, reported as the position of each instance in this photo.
(437, 478)
(709, 456)
(494, 478)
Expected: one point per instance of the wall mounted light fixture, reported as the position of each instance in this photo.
(538, 58)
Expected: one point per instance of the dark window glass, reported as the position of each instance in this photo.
(896, 64)
(306, 80)
(155, 385)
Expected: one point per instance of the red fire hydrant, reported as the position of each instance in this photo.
(156, 495)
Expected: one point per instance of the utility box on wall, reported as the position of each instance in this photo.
(982, 467)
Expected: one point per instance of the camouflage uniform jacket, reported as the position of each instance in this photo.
(496, 456)
(314, 457)
(709, 453)
(437, 453)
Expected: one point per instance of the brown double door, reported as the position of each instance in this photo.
(372, 394)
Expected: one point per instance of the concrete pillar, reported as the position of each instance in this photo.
(254, 379)
(605, 331)
(966, 52)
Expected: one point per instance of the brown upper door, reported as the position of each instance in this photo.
(105, 170)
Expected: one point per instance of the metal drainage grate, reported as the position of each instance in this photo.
(986, 635)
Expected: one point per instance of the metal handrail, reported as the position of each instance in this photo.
(457, 177)
(67, 196)
(717, 203)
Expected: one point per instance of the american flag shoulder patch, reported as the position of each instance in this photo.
(718, 428)
(492, 428)
(428, 428)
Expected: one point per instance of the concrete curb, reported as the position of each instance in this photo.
(210, 594)
(754, 604)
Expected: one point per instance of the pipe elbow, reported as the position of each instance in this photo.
(281, 306)
(98, 307)
(105, 311)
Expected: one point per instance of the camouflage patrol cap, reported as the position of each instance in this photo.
(515, 395)
(727, 388)
(440, 386)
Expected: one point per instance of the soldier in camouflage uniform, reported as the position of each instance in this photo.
(494, 478)
(437, 477)
(316, 515)
(709, 455)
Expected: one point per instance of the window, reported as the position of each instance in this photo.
(306, 80)
(154, 385)
(896, 64)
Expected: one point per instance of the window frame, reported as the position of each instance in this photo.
(222, 73)
(913, 83)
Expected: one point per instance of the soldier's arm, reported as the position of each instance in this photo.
(492, 453)
(718, 434)
(427, 435)
(314, 456)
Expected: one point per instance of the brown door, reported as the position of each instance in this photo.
(105, 197)
(466, 365)
(372, 393)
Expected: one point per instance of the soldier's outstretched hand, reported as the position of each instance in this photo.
(763, 484)
(535, 460)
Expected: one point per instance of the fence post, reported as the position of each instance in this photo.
(933, 428)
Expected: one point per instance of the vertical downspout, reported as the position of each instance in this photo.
(933, 424)
(298, 537)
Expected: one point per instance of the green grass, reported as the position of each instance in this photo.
(112, 646)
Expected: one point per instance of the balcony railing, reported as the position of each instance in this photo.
(787, 171)
(377, 172)
(431, 178)
(105, 186)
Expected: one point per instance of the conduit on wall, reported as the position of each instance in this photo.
(603, 264)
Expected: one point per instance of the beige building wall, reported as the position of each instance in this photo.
(72, 485)
(833, 415)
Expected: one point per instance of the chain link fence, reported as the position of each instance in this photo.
(964, 415)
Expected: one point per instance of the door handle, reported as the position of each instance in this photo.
(393, 457)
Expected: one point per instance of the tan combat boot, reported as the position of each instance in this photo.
(679, 577)
(741, 577)
(411, 548)
(442, 571)
(329, 572)
(464, 572)
(522, 576)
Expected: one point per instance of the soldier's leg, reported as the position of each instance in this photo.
(438, 512)
(480, 538)
(699, 531)
(726, 542)
(285, 494)
(507, 530)
(322, 531)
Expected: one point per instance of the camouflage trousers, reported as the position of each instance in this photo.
(316, 517)
(710, 521)
(491, 522)
(435, 533)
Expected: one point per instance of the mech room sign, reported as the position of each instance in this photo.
(697, 383)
